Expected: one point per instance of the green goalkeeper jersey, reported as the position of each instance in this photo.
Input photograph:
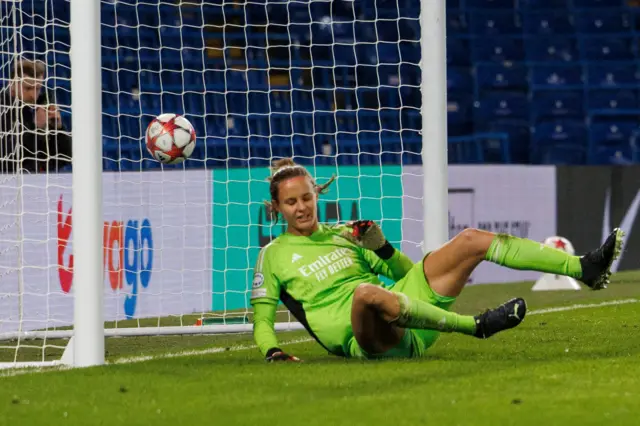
(315, 277)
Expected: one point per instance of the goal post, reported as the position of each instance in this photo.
(433, 65)
(126, 246)
(86, 107)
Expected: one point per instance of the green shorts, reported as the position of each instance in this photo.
(415, 342)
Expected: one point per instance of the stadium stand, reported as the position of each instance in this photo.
(529, 81)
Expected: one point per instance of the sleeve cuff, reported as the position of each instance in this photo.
(386, 251)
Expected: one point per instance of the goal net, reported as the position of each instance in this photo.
(333, 84)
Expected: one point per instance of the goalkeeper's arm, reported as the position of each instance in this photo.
(264, 315)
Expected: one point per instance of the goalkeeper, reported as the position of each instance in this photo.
(327, 276)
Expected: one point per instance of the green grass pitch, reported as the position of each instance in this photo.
(577, 366)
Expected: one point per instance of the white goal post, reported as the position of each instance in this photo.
(122, 246)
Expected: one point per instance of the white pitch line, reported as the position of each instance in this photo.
(236, 348)
(216, 350)
(582, 306)
(143, 358)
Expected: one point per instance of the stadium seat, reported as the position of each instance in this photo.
(551, 49)
(547, 23)
(597, 3)
(559, 154)
(497, 49)
(501, 106)
(556, 76)
(457, 52)
(612, 100)
(602, 21)
(542, 4)
(488, 4)
(495, 76)
(459, 80)
(607, 48)
(457, 22)
(614, 142)
(459, 115)
(618, 154)
(559, 142)
(483, 23)
(519, 134)
(616, 75)
(557, 104)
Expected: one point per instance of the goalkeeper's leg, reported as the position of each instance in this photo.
(448, 268)
(379, 318)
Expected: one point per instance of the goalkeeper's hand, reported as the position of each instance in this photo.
(367, 234)
(276, 354)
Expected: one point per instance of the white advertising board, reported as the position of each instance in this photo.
(518, 200)
(157, 252)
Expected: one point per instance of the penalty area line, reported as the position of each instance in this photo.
(582, 306)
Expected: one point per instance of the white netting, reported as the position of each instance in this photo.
(335, 84)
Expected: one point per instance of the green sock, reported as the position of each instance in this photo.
(418, 314)
(524, 254)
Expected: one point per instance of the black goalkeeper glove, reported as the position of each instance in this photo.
(367, 234)
(276, 354)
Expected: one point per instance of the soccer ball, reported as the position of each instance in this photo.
(560, 243)
(170, 138)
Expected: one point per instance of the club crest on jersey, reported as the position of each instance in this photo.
(258, 280)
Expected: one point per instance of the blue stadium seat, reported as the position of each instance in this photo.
(258, 102)
(551, 49)
(489, 4)
(495, 76)
(302, 123)
(548, 23)
(519, 134)
(459, 115)
(236, 103)
(501, 106)
(611, 100)
(194, 102)
(559, 154)
(457, 23)
(557, 104)
(214, 79)
(216, 125)
(542, 4)
(131, 128)
(555, 76)
(618, 133)
(607, 49)
(597, 3)
(280, 101)
(151, 103)
(561, 142)
(494, 23)
(602, 21)
(497, 49)
(457, 52)
(613, 75)
(459, 80)
(622, 154)
(110, 127)
(613, 143)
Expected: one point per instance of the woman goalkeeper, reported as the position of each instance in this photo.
(327, 276)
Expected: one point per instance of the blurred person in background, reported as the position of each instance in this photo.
(32, 135)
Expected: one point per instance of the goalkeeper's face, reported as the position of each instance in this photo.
(297, 202)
